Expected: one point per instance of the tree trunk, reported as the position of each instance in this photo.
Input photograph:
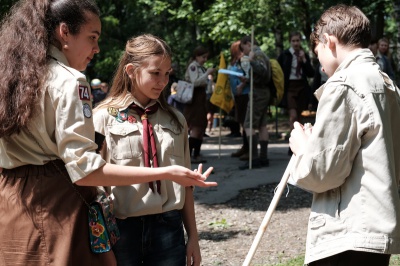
(397, 12)
(278, 29)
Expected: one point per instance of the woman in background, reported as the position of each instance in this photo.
(196, 112)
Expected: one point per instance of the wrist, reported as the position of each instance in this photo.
(193, 236)
(162, 173)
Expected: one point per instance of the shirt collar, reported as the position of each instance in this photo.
(58, 55)
(129, 99)
(291, 50)
(357, 56)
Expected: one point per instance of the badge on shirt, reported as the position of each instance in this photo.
(112, 111)
(84, 93)
(193, 68)
(122, 115)
(87, 111)
(131, 119)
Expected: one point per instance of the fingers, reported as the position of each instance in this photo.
(200, 168)
(297, 125)
(206, 184)
(208, 172)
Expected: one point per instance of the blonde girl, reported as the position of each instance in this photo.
(141, 129)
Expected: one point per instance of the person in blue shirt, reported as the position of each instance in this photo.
(240, 90)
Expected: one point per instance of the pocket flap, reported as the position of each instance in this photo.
(170, 128)
(123, 129)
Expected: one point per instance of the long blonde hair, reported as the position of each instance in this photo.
(137, 50)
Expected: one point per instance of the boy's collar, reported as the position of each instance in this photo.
(356, 54)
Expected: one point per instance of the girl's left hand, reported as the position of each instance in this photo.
(193, 255)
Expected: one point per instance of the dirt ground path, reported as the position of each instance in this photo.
(228, 230)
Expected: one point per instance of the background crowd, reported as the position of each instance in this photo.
(52, 124)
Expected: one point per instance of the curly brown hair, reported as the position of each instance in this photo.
(25, 34)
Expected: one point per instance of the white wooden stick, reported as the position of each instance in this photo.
(272, 206)
(270, 211)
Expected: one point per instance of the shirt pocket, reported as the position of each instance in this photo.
(125, 140)
(171, 142)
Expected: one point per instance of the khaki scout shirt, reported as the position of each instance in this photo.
(124, 146)
(196, 74)
(63, 126)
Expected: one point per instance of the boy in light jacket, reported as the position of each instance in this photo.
(351, 158)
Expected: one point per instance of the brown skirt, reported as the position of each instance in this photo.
(196, 113)
(43, 221)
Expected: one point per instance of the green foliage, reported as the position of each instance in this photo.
(216, 24)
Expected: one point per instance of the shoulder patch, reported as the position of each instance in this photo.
(84, 92)
(87, 111)
(192, 68)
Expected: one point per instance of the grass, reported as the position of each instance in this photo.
(220, 224)
(394, 261)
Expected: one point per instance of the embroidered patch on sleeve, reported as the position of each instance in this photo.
(87, 111)
(193, 68)
(84, 93)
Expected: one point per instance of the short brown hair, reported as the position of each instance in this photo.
(246, 39)
(294, 33)
(347, 23)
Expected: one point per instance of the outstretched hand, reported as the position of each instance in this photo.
(187, 177)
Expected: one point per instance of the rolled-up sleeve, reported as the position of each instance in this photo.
(333, 144)
(75, 131)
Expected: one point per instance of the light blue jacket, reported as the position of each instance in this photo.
(234, 81)
(352, 162)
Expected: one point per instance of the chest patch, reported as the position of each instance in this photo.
(84, 94)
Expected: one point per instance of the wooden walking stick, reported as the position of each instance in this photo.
(271, 208)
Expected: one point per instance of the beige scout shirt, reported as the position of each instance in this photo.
(63, 126)
(196, 74)
(124, 146)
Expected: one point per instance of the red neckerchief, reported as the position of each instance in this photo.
(148, 138)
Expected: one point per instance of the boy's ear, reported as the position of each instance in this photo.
(330, 41)
(130, 69)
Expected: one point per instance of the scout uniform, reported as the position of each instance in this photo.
(48, 210)
(149, 215)
(123, 130)
(195, 112)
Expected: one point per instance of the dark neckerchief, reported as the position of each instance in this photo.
(148, 139)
